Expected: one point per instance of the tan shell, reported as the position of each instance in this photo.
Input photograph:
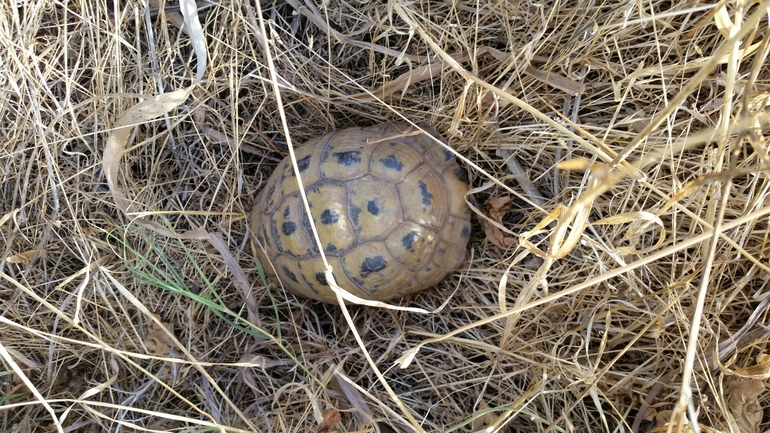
(389, 206)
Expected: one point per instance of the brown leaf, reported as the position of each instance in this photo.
(22, 257)
(497, 207)
(157, 341)
(666, 417)
(489, 98)
(743, 401)
(484, 421)
(496, 236)
(331, 419)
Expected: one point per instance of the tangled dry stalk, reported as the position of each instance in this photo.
(618, 272)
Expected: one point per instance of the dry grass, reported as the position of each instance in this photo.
(641, 127)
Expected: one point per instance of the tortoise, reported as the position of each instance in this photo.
(388, 202)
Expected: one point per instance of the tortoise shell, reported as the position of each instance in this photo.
(389, 206)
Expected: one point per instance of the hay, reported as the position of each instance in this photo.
(619, 281)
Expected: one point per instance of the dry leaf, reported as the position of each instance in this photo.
(761, 370)
(489, 98)
(22, 257)
(576, 164)
(330, 421)
(482, 422)
(257, 361)
(496, 236)
(651, 414)
(743, 393)
(497, 207)
(68, 380)
(158, 341)
(663, 419)
(8, 216)
(743, 397)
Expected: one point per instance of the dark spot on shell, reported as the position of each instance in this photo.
(290, 274)
(314, 190)
(408, 240)
(427, 197)
(372, 264)
(354, 211)
(329, 216)
(274, 235)
(392, 163)
(288, 228)
(321, 278)
(313, 248)
(465, 232)
(349, 158)
(265, 237)
(372, 207)
(330, 248)
(303, 163)
(448, 155)
(357, 282)
(288, 173)
(460, 174)
(270, 192)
